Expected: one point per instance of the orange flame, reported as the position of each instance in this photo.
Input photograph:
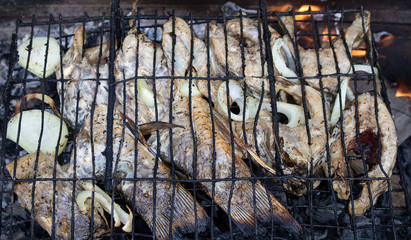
(305, 8)
(358, 53)
(325, 33)
(403, 90)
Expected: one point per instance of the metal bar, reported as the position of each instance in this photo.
(111, 98)
(190, 82)
(136, 132)
(271, 78)
(210, 104)
(173, 165)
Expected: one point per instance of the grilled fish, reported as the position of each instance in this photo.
(184, 65)
(42, 210)
(371, 127)
(194, 155)
(134, 62)
(229, 44)
(133, 160)
(353, 36)
(85, 79)
(296, 151)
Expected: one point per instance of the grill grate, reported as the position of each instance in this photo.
(319, 212)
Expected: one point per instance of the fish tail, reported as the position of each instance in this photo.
(188, 219)
(184, 217)
(244, 219)
(268, 207)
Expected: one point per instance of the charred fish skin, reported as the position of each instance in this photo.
(237, 32)
(240, 206)
(188, 215)
(369, 132)
(85, 77)
(43, 200)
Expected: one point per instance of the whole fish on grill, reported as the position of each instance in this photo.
(84, 77)
(135, 60)
(353, 36)
(185, 40)
(131, 161)
(194, 154)
(42, 210)
(190, 56)
(378, 162)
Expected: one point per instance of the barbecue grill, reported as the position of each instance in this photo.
(319, 212)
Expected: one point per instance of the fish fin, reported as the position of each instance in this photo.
(184, 220)
(244, 220)
(277, 212)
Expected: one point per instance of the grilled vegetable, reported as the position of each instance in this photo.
(32, 126)
(280, 62)
(38, 55)
(103, 200)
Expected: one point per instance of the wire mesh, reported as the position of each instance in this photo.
(320, 213)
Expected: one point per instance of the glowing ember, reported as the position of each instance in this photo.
(403, 90)
(306, 41)
(358, 53)
(387, 41)
(282, 8)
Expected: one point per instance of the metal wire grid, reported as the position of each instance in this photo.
(383, 216)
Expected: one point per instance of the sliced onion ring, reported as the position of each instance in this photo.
(237, 96)
(144, 93)
(103, 200)
(280, 63)
(365, 68)
(335, 115)
(294, 113)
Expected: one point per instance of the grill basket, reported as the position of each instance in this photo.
(320, 213)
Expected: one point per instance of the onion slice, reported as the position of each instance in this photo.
(237, 96)
(294, 113)
(365, 68)
(335, 114)
(185, 89)
(280, 63)
(104, 201)
(31, 127)
(38, 55)
(144, 93)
